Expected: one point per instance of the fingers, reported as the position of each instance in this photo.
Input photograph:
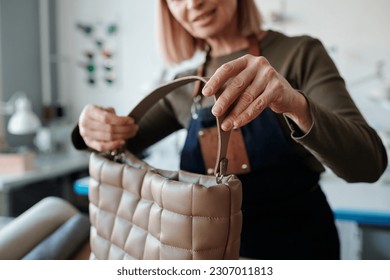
(104, 132)
(106, 115)
(240, 83)
(102, 129)
(223, 74)
(252, 110)
(247, 98)
(103, 146)
(240, 87)
(247, 86)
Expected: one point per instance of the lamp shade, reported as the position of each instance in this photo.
(23, 121)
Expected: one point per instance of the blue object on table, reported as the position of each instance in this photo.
(376, 218)
(80, 186)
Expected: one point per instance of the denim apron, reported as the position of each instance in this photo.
(285, 213)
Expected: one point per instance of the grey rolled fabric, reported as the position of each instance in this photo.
(21, 235)
(64, 242)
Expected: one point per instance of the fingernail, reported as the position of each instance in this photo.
(236, 124)
(206, 91)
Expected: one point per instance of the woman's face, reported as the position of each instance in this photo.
(205, 18)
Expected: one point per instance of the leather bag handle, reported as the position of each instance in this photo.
(152, 98)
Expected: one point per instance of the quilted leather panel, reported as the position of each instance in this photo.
(138, 213)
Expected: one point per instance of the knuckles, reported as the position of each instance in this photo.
(105, 117)
(110, 130)
(256, 61)
(239, 83)
(227, 68)
(247, 97)
(259, 106)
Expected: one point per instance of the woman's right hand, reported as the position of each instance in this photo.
(103, 130)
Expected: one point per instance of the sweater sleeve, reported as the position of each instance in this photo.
(77, 140)
(340, 136)
(156, 124)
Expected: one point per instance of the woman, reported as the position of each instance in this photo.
(287, 100)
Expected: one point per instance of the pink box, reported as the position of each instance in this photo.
(16, 162)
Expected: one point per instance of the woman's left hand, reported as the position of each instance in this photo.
(250, 84)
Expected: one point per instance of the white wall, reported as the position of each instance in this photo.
(358, 29)
(136, 58)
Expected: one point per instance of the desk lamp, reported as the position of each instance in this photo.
(23, 120)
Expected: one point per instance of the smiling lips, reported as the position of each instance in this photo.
(203, 16)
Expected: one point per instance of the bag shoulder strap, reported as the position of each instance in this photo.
(160, 92)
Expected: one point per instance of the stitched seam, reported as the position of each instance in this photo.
(132, 225)
(170, 211)
(162, 207)
(132, 216)
(117, 208)
(193, 216)
(98, 195)
(192, 250)
(228, 226)
(167, 245)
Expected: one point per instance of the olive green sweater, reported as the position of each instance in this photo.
(340, 138)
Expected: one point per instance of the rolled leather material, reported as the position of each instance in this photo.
(5, 220)
(27, 230)
(64, 242)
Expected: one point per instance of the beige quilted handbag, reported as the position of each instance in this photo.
(141, 212)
